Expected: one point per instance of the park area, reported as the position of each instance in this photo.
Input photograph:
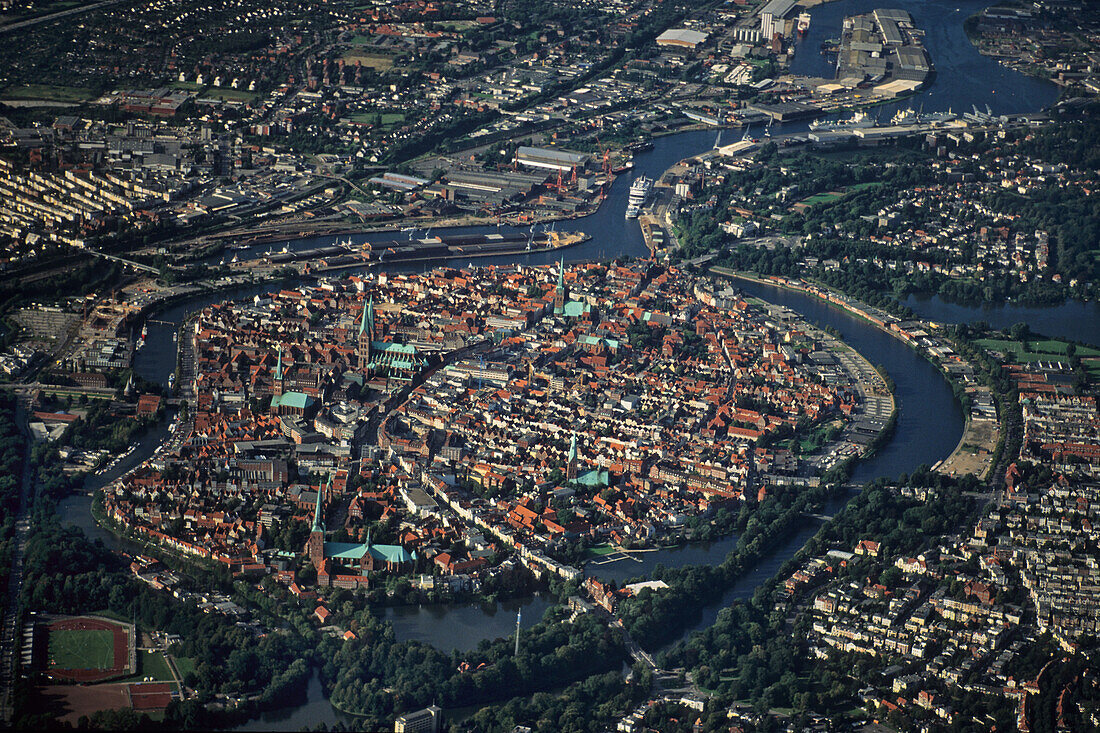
(1045, 350)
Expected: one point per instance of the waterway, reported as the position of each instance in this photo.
(929, 424)
(1073, 320)
(963, 76)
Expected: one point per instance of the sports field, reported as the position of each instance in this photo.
(89, 649)
(82, 649)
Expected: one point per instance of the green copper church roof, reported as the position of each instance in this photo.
(357, 550)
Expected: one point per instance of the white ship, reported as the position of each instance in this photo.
(859, 120)
(803, 23)
(639, 191)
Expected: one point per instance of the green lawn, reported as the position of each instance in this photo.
(1045, 350)
(151, 664)
(602, 550)
(224, 93)
(81, 649)
(185, 665)
(48, 93)
(388, 118)
(376, 61)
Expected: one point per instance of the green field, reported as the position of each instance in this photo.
(151, 664)
(388, 118)
(1040, 350)
(226, 94)
(601, 550)
(82, 649)
(185, 665)
(829, 196)
(376, 61)
(48, 93)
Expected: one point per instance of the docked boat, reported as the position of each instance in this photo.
(633, 211)
(933, 117)
(860, 120)
(905, 117)
(623, 168)
(639, 191)
(803, 23)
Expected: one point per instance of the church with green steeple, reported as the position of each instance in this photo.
(346, 564)
(401, 362)
(562, 305)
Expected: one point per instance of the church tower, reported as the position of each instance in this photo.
(277, 383)
(315, 548)
(560, 295)
(571, 463)
(366, 335)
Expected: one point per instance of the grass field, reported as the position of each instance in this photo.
(47, 93)
(602, 550)
(376, 61)
(388, 118)
(185, 665)
(223, 93)
(151, 664)
(829, 196)
(81, 649)
(1045, 350)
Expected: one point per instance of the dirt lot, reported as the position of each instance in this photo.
(974, 451)
(72, 701)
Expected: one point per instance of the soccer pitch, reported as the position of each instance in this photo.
(81, 649)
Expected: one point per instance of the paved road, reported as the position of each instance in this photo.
(55, 16)
(9, 646)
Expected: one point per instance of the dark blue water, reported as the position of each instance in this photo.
(964, 77)
(641, 564)
(1073, 320)
(930, 421)
(463, 627)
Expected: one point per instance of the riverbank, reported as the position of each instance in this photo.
(974, 452)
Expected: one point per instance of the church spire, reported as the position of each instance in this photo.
(279, 366)
(366, 323)
(559, 293)
(318, 525)
(571, 463)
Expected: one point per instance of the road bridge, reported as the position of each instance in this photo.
(123, 260)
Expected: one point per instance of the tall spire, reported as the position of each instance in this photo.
(366, 323)
(318, 526)
(561, 274)
(573, 448)
(279, 366)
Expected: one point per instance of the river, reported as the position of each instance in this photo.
(1073, 320)
(929, 424)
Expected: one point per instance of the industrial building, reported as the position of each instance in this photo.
(550, 159)
(772, 16)
(682, 38)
